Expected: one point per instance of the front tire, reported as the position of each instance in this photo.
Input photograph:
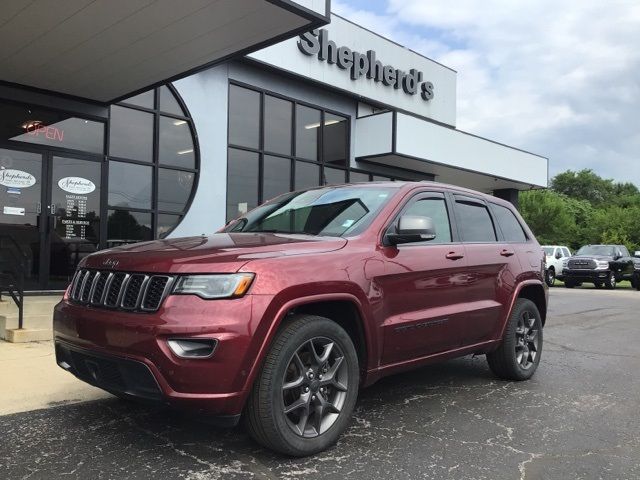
(518, 356)
(304, 396)
(551, 277)
(569, 283)
(610, 282)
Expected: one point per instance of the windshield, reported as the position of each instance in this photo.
(331, 211)
(548, 251)
(604, 250)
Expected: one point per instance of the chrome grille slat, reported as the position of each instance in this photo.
(120, 290)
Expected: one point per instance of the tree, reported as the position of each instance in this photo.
(584, 185)
(549, 217)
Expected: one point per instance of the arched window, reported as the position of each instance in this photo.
(153, 166)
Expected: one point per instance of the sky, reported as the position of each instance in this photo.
(557, 78)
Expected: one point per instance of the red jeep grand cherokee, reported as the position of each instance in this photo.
(284, 314)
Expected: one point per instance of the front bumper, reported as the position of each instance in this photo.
(126, 353)
(588, 276)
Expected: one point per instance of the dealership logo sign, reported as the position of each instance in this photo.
(16, 178)
(76, 185)
(364, 64)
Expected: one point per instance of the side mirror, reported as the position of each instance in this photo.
(558, 255)
(413, 228)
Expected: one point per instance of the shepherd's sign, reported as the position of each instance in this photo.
(364, 64)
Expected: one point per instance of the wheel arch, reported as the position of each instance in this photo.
(343, 308)
(535, 292)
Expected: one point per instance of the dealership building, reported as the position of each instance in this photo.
(164, 123)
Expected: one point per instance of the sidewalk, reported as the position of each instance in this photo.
(30, 379)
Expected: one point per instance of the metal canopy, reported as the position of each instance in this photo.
(105, 50)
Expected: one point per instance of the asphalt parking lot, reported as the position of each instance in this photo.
(577, 418)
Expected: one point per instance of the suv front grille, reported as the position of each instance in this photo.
(582, 264)
(127, 291)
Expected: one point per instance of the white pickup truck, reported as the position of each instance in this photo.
(555, 256)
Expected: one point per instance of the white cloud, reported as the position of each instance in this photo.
(558, 78)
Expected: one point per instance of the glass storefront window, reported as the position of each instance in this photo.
(131, 134)
(307, 127)
(244, 117)
(334, 139)
(166, 223)
(144, 99)
(176, 143)
(130, 185)
(23, 123)
(168, 102)
(277, 176)
(125, 227)
(242, 182)
(174, 189)
(307, 175)
(334, 176)
(356, 177)
(277, 125)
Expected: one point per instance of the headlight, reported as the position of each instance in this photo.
(602, 265)
(565, 263)
(214, 285)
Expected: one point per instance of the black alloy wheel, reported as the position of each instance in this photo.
(519, 354)
(314, 388)
(303, 398)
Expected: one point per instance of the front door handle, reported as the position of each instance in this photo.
(507, 253)
(454, 256)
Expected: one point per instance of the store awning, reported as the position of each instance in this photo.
(104, 50)
(398, 140)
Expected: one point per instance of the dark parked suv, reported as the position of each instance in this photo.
(283, 315)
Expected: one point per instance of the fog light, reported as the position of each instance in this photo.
(193, 347)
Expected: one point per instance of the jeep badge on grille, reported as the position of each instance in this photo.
(111, 263)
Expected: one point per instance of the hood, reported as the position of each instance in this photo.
(220, 252)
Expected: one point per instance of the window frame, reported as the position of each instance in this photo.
(261, 151)
(501, 236)
(408, 202)
(470, 199)
(157, 113)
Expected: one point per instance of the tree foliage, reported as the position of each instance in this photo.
(582, 208)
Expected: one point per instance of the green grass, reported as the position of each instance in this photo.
(623, 285)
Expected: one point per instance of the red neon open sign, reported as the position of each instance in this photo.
(38, 129)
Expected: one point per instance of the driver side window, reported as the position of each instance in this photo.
(436, 208)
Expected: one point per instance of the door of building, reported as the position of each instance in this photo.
(21, 227)
(50, 207)
(73, 215)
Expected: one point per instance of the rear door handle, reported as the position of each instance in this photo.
(454, 256)
(507, 253)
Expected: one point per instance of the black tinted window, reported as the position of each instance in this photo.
(509, 224)
(474, 222)
(436, 209)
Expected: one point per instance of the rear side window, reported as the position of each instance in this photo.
(509, 224)
(435, 208)
(474, 222)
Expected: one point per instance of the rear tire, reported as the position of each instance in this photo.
(597, 284)
(610, 282)
(292, 409)
(518, 356)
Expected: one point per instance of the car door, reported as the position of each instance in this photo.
(423, 286)
(492, 266)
